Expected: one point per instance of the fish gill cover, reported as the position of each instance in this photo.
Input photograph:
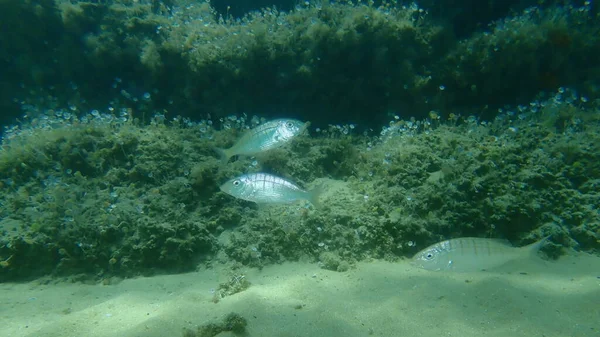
(109, 169)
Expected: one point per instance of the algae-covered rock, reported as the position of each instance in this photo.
(103, 198)
(330, 62)
(102, 177)
(333, 262)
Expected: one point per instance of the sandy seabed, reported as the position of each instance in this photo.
(527, 298)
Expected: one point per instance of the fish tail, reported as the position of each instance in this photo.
(314, 195)
(532, 249)
(223, 154)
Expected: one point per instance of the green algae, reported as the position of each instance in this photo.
(124, 199)
(326, 61)
(104, 198)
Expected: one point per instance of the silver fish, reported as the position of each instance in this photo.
(267, 136)
(266, 188)
(471, 254)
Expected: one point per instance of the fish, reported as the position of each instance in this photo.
(263, 188)
(267, 136)
(472, 254)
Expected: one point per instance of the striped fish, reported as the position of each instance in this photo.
(267, 136)
(268, 189)
(472, 254)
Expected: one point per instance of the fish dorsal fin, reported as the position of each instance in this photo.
(501, 241)
(494, 240)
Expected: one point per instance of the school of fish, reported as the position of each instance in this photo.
(457, 255)
(264, 188)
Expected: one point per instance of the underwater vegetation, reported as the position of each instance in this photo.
(108, 167)
(106, 196)
(329, 62)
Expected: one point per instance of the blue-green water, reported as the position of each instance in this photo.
(426, 124)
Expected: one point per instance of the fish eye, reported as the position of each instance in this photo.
(289, 124)
(236, 182)
(428, 256)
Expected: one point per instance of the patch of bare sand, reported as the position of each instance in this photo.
(529, 298)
